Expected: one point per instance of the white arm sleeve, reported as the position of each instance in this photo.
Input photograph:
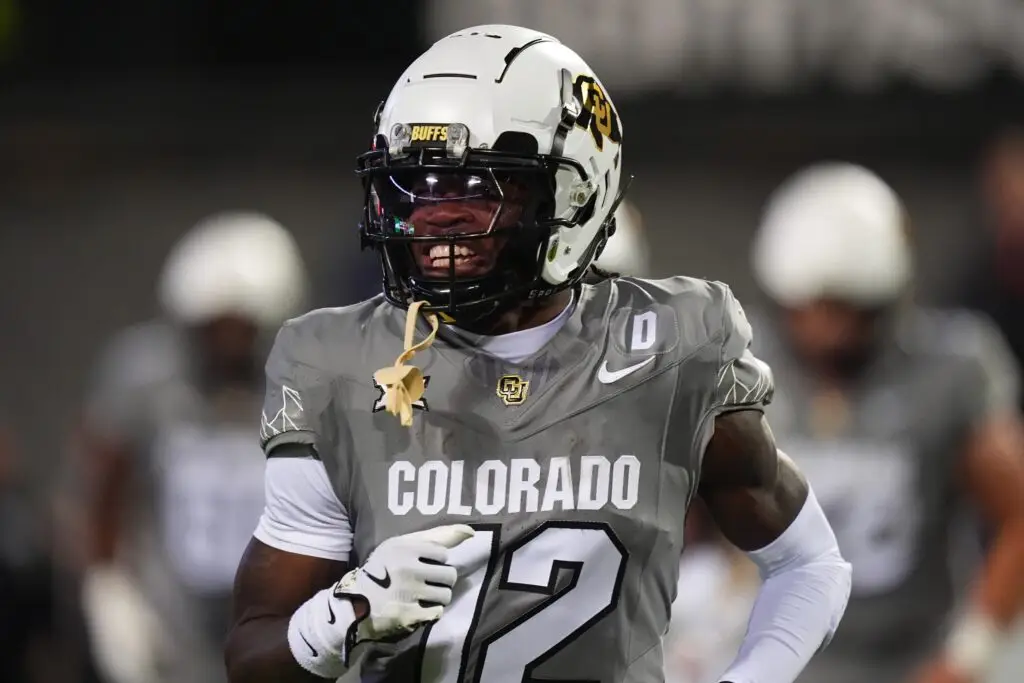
(803, 598)
(302, 514)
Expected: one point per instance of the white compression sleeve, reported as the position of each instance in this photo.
(318, 633)
(803, 598)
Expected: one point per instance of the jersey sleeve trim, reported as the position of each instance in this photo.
(293, 448)
(743, 383)
(298, 388)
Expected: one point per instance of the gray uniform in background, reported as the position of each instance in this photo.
(576, 468)
(198, 492)
(884, 466)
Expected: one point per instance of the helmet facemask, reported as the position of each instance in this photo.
(467, 234)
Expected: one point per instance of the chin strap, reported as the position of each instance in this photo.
(403, 384)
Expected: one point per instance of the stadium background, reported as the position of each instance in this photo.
(123, 123)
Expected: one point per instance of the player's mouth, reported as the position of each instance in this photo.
(436, 261)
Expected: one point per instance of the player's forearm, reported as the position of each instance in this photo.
(105, 534)
(310, 645)
(106, 500)
(806, 588)
(257, 652)
(1000, 591)
(977, 638)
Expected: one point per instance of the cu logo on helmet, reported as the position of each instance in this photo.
(598, 115)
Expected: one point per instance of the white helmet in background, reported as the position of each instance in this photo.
(627, 251)
(235, 263)
(833, 230)
(483, 110)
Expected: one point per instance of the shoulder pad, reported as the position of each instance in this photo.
(692, 313)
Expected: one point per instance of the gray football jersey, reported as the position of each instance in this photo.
(882, 461)
(199, 488)
(576, 469)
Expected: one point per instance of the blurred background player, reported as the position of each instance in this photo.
(898, 415)
(175, 474)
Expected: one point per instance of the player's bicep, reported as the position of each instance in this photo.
(752, 491)
(742, 382)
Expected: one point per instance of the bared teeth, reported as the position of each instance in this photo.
(443, 251)
(443, 262)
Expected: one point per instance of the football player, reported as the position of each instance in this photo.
(897, 414)
(176, 475)
(483, 473)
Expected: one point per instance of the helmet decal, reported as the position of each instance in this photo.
(598, 115)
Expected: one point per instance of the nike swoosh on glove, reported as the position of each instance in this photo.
(406, 582)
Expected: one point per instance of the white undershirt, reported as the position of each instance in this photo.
(303, 515)
(515, 347)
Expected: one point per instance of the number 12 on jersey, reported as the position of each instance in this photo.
(596, 562)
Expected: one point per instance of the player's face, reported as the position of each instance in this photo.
(833, 334)
(229, 346)
(481, 208)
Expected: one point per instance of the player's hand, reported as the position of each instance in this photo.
(405, 582)
(126, 636)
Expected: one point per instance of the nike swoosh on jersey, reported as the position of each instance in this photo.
(383, 583)
(606, 376)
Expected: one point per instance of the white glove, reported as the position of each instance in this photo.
(126, 636)
(405, 582)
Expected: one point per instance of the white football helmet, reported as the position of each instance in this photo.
(833, 230)
(236, 263)
(501, 120)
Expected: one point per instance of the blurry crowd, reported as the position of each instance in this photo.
(125, 575)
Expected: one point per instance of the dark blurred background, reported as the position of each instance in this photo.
(123, 122)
